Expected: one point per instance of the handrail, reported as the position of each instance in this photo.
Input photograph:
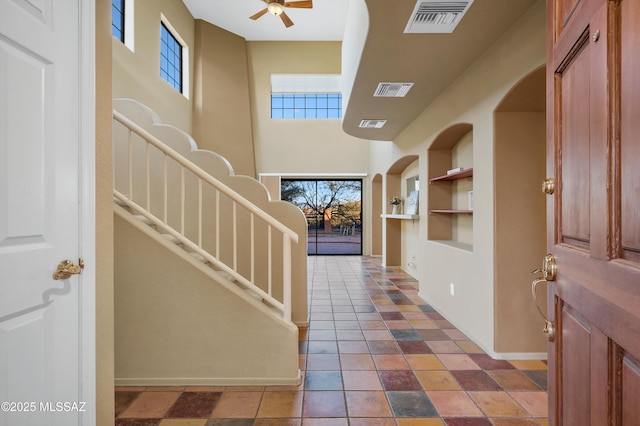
(204, 175)
(246, 281)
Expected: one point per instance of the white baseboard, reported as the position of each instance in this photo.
(209, 381)
(493, 354)
(520, 356)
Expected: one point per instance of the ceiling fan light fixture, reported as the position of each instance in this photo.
(275, 8)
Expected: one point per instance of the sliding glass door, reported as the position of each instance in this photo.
(334, 213)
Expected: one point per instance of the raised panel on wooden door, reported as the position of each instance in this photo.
(629, 389)
(575, 345)
(630, 128)
(574, 102)
(567, 7)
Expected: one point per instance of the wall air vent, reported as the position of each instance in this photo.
(372, 124)
(436, 16)
(392, 90)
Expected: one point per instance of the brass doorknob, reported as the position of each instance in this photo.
(66, 268)
(548, 186)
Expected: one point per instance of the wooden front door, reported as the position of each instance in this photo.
(593, 228)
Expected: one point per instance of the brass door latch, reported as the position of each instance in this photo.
(549, 269)
(66, 268)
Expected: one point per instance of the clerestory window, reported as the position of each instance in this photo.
(306, 96)
(306, 105)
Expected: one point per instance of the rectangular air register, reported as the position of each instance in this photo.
(372, 124)
(392, 90)
(436, 16)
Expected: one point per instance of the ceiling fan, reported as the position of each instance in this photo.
(276, 7)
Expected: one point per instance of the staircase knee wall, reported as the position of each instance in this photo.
(175, 326)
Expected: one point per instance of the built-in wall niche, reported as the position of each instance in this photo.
(412, 192)
(450, 188)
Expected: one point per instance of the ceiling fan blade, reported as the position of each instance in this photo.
(306, 4)
(285, 20)
(259, 14)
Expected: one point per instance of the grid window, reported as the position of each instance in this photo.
(306, 105)
(170, 58)
(117, 19)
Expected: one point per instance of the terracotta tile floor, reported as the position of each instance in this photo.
(375, 354)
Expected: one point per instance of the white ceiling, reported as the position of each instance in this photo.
(325, 21)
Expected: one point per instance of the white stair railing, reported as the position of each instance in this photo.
(202, 213)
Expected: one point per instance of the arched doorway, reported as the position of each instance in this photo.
(520, 227)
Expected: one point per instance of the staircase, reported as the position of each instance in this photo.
(210, 282)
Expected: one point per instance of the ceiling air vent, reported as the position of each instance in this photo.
(372, 124)
(392, 90)
(436, 16)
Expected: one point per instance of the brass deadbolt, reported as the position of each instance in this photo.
(548, 186)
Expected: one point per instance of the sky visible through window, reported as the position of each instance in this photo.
(170, 59)
(117, 19)
(306, 105)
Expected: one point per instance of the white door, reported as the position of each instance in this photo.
(47, 326)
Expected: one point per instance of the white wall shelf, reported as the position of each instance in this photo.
(451, 211)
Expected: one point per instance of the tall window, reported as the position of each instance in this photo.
(170, 58)
(117, 19)
(306, 105)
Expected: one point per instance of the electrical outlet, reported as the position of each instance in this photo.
(412, 263)
(452, 289)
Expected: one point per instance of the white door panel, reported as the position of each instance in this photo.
(41, 336)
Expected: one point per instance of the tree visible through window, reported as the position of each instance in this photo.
(117, 19)
(170, 58)
(333, 209)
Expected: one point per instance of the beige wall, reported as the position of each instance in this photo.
(273, 186)
(221, 109)
(136, 74)
(104, 220)
(520, 228)
(374, 240)
(471, 99)
(299, 146)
